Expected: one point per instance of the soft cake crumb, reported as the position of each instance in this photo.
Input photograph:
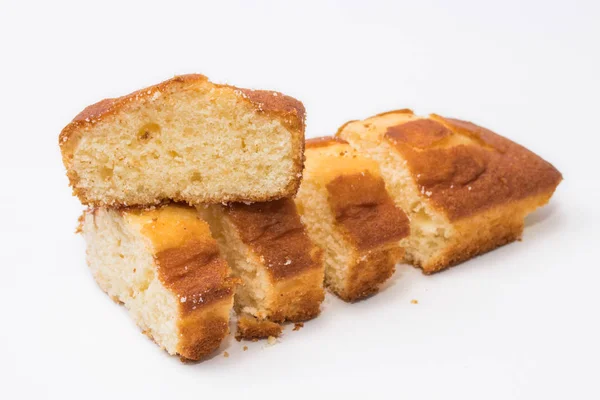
(414, 301)
(225, 354)
(245, 348)
(271, 340)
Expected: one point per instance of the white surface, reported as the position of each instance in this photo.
(521, 322)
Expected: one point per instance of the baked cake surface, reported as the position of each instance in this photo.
(165, 267)
(186, 139)
(280, 268)
(347, 211)
(465, 188)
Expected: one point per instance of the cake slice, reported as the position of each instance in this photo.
(281, 270)
(349, 214)
(465, 189)
(165, 267)
(188, 140)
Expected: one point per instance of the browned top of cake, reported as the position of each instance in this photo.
(363, 208)
(188, 258)
(288, 110)
(275, 233)
(464, 168)
(357, 195)
(323, 141)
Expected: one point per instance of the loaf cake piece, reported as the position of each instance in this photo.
(188, 140)
(465, 189)
(349, 214)
(165, 267)
(281, 270)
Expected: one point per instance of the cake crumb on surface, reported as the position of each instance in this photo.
(414, 301)
(271, 340)
(245, 348)
(225, 354)
(298, 325)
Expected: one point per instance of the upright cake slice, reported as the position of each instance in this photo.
(466, 189)
(165, 267)
(349, 214)
(280, 268)
(188, 140)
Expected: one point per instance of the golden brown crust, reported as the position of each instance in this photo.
(368, 272)
(251, 328)
(289, 111)
(364, 210)
(202, 331)
(323, 141)
(420, 133)
(299, 297)
(273, 230)
(484, 232)
(190, 266)
(341, 128)
(188, 258)
(466, 169)
(399, 111)
(196, 273)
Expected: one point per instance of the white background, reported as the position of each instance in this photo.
(519, 323)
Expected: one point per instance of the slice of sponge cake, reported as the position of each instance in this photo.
(165, 267)
(280, 268)
(465, 188)
(349, 214)
(187, 140)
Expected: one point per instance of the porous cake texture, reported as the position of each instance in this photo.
(164, 266)
(188, 140)
(347, 211)
(465, 188)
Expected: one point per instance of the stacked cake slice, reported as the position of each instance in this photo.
(191, 141)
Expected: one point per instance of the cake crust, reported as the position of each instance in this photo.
(365, 211)
(323, 141)
(252, 328)
(273, 230)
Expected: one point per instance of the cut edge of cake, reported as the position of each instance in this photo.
(163, 265)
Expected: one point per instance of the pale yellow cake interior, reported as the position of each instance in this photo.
(121, 260)
(253, 296)
(197, 144)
